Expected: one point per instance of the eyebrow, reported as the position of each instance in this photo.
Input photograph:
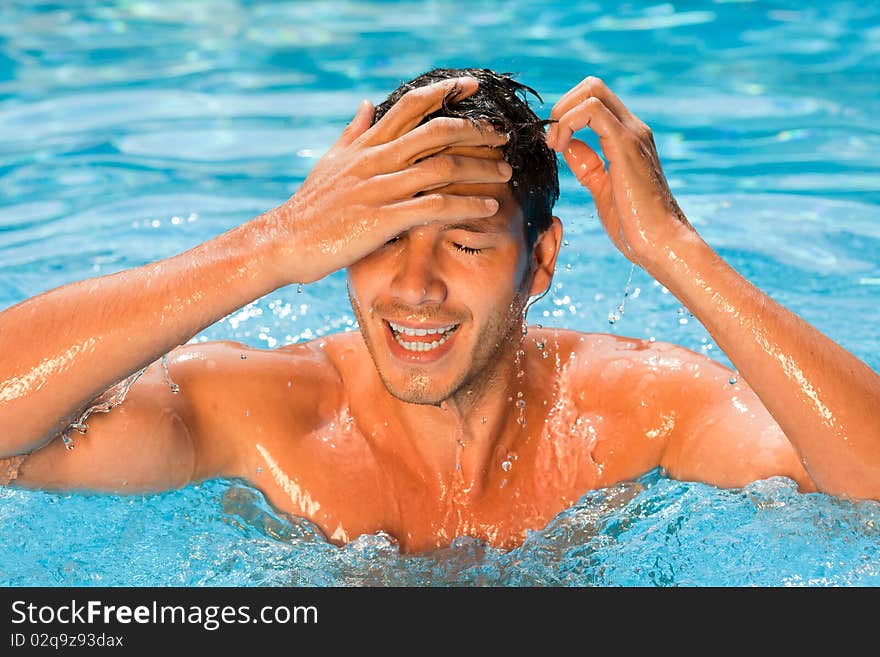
(474, 227)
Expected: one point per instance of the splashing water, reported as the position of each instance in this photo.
(175, 389)
(115, 399)
(614, 317)
(117, 396)
(651, 532)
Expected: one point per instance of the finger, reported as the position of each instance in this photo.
(594, 87)
(436, 135)
(586, 165)
(593, 113)
(435, 206)
(590, 171)
(359, 124)
(441, 170)
(415, 105)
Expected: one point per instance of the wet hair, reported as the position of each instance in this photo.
(502, 101)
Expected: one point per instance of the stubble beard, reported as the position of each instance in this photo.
(488, 360)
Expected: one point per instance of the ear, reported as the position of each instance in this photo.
(543, 257)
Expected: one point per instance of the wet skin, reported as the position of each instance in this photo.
(491, 438)
(315, 429)
(490, 434)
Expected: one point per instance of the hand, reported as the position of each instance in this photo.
(634, 203)
(376, 182)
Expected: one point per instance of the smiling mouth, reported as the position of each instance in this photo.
(421, 339)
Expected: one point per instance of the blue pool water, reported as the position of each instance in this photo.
(132, 130)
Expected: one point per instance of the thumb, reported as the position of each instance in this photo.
(361, 122)
(587, 167)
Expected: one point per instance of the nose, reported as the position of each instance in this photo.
(416, 281)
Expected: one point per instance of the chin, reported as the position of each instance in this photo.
(417, 388)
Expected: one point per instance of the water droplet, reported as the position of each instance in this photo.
(567, 266)
(259, 470)
(564, 242)
(615, 317)
(539, 326)
(483, 420)
(299, 288)
(247, 413)
(244, 356)
(175, 389)
(732, 380)
(506, 466)
(525, 329)
(521, 403)
(539, 344)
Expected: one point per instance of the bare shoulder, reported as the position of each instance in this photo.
(702, 419)
(194, 415)
(620, 364)
(235, 393)
(230, 377)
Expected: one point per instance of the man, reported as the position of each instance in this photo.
(443, 416)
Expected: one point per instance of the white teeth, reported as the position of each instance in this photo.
(422, 346)
(418, 331)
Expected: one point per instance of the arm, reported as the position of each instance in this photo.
(374, 183)
(144, 445)
(63, 348)
(159, 440)
(823, 397)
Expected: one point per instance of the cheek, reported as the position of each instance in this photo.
(497, 291)
(364, 278)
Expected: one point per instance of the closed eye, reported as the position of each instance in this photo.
(466, 249)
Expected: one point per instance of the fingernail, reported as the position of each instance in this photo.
(461, 85)
(504, 168)
(491, 205)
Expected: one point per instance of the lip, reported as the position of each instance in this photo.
(421, 357)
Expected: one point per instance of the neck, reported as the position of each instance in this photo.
(465, 434)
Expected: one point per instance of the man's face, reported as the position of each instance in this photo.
(465, 283)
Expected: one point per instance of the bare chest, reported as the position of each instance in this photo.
(335, 477)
